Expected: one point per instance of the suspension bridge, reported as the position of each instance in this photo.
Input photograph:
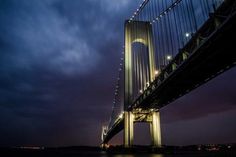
(171, 47)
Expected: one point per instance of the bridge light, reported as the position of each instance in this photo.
(147, 84)
(121, 116)
(187, 34)
(156, 72)
(140, 91)
(168, 57)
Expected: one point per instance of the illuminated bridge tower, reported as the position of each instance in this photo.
(139, 32)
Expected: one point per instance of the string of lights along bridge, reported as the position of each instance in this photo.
(171, 47)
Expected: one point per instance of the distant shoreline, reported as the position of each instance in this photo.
(191, 149)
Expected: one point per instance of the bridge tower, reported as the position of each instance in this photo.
(139, 32)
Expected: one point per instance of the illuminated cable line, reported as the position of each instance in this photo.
(141, 6)
(116, 93)
(168, 9)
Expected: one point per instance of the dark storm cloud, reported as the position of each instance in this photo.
(40, 35)
(58, 65)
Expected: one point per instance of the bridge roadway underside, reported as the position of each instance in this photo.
(215, 55)
(114, 130)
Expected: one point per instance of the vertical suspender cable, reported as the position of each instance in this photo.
(170, 33)
(193, 15)
(189, 19)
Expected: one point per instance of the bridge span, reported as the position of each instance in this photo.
(209, 52)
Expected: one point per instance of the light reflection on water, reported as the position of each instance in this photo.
(189, 154)
(139, 155)
(104, 154)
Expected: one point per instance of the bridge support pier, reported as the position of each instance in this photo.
(152, 117)
(155, 129)
(128, 129)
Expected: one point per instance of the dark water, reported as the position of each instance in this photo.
(104, 154)
(76, 153)
(86, 153)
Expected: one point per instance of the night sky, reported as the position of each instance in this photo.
(58, 67)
